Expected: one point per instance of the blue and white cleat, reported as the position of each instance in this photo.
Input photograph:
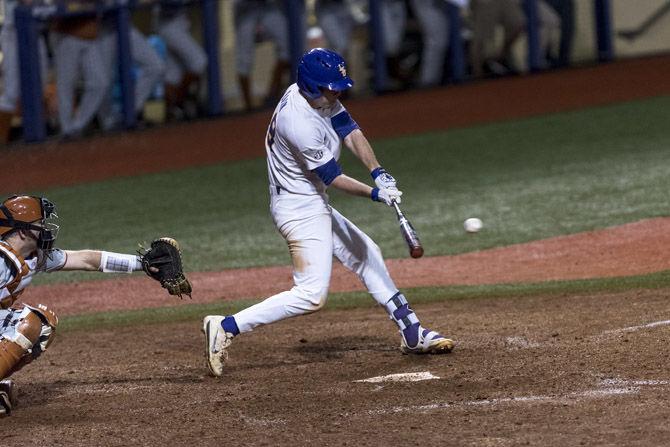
(216, 342)
(8, 397)
(427, 342)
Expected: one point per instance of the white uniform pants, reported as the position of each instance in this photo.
(249, 15)
(184, 52)
(78, 60)
(337, 24)
(314, 233)
(434, 23)
(11, 73)
(151, 71)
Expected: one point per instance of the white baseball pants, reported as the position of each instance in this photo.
(314, 233)
(184, 52)
(11, 74)
(248, 16)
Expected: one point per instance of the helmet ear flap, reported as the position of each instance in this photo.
(306, 82)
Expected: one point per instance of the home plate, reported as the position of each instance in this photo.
(404, 377)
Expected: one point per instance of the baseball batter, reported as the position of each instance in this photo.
(303, 144)
(27, 236)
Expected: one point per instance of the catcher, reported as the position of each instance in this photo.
(27, 235)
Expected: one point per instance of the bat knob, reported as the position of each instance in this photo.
(416, 252)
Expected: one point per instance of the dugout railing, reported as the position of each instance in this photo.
(28, 17)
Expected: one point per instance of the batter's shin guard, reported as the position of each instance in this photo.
(403, 315)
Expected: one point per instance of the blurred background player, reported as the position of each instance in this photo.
(79, 65)
(393, 21)
(11, 77)
(487, 14)
(433, 21)
(150, 70)
(303, 144)
(566, 13)
(337, 22)
(186, 60)
(27, 235)
(260, 19)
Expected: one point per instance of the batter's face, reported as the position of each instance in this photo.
(327, 99)
(331, 96)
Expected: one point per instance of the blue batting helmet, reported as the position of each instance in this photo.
(320, 68)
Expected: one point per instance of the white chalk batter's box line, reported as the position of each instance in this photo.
(518, 342)
(637, 328)
(607, 388)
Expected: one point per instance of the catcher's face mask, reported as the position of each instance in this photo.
(32, 214)
(49, 228)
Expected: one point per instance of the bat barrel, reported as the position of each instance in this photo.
(408, 232)
(416, 252)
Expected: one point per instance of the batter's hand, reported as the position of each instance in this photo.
(383, 179)
(386, 195)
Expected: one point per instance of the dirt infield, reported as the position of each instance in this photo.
(572, 370)
(543, 370)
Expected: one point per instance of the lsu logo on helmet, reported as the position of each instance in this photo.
(343, 70)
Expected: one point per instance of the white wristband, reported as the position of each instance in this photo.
(119, 263)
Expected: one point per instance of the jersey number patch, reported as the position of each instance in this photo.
(272, 130)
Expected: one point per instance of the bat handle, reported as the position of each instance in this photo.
(397, 208)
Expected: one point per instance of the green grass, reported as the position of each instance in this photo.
(526, 179)
(351, 300)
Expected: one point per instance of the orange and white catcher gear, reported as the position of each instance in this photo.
(30, 213)
(25, 332)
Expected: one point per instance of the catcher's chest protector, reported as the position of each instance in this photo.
(20, 269)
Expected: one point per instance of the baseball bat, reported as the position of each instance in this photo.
(409, 233)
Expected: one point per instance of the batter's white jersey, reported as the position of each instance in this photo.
(302, 139)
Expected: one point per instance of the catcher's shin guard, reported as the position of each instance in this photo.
(32, 334)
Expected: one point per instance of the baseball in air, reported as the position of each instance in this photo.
(472, 225)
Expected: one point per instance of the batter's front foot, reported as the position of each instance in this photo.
(428, 342)
(216, 343)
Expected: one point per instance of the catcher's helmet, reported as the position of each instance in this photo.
(322, 69)
(29, 213)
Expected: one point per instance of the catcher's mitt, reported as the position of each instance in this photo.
(162, 261)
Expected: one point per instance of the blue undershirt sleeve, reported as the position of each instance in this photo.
(327, 172)
(343, 124)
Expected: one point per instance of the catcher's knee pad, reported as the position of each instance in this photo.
(31, 333)
(49, 323)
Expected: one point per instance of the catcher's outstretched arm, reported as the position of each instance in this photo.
(104, 261)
